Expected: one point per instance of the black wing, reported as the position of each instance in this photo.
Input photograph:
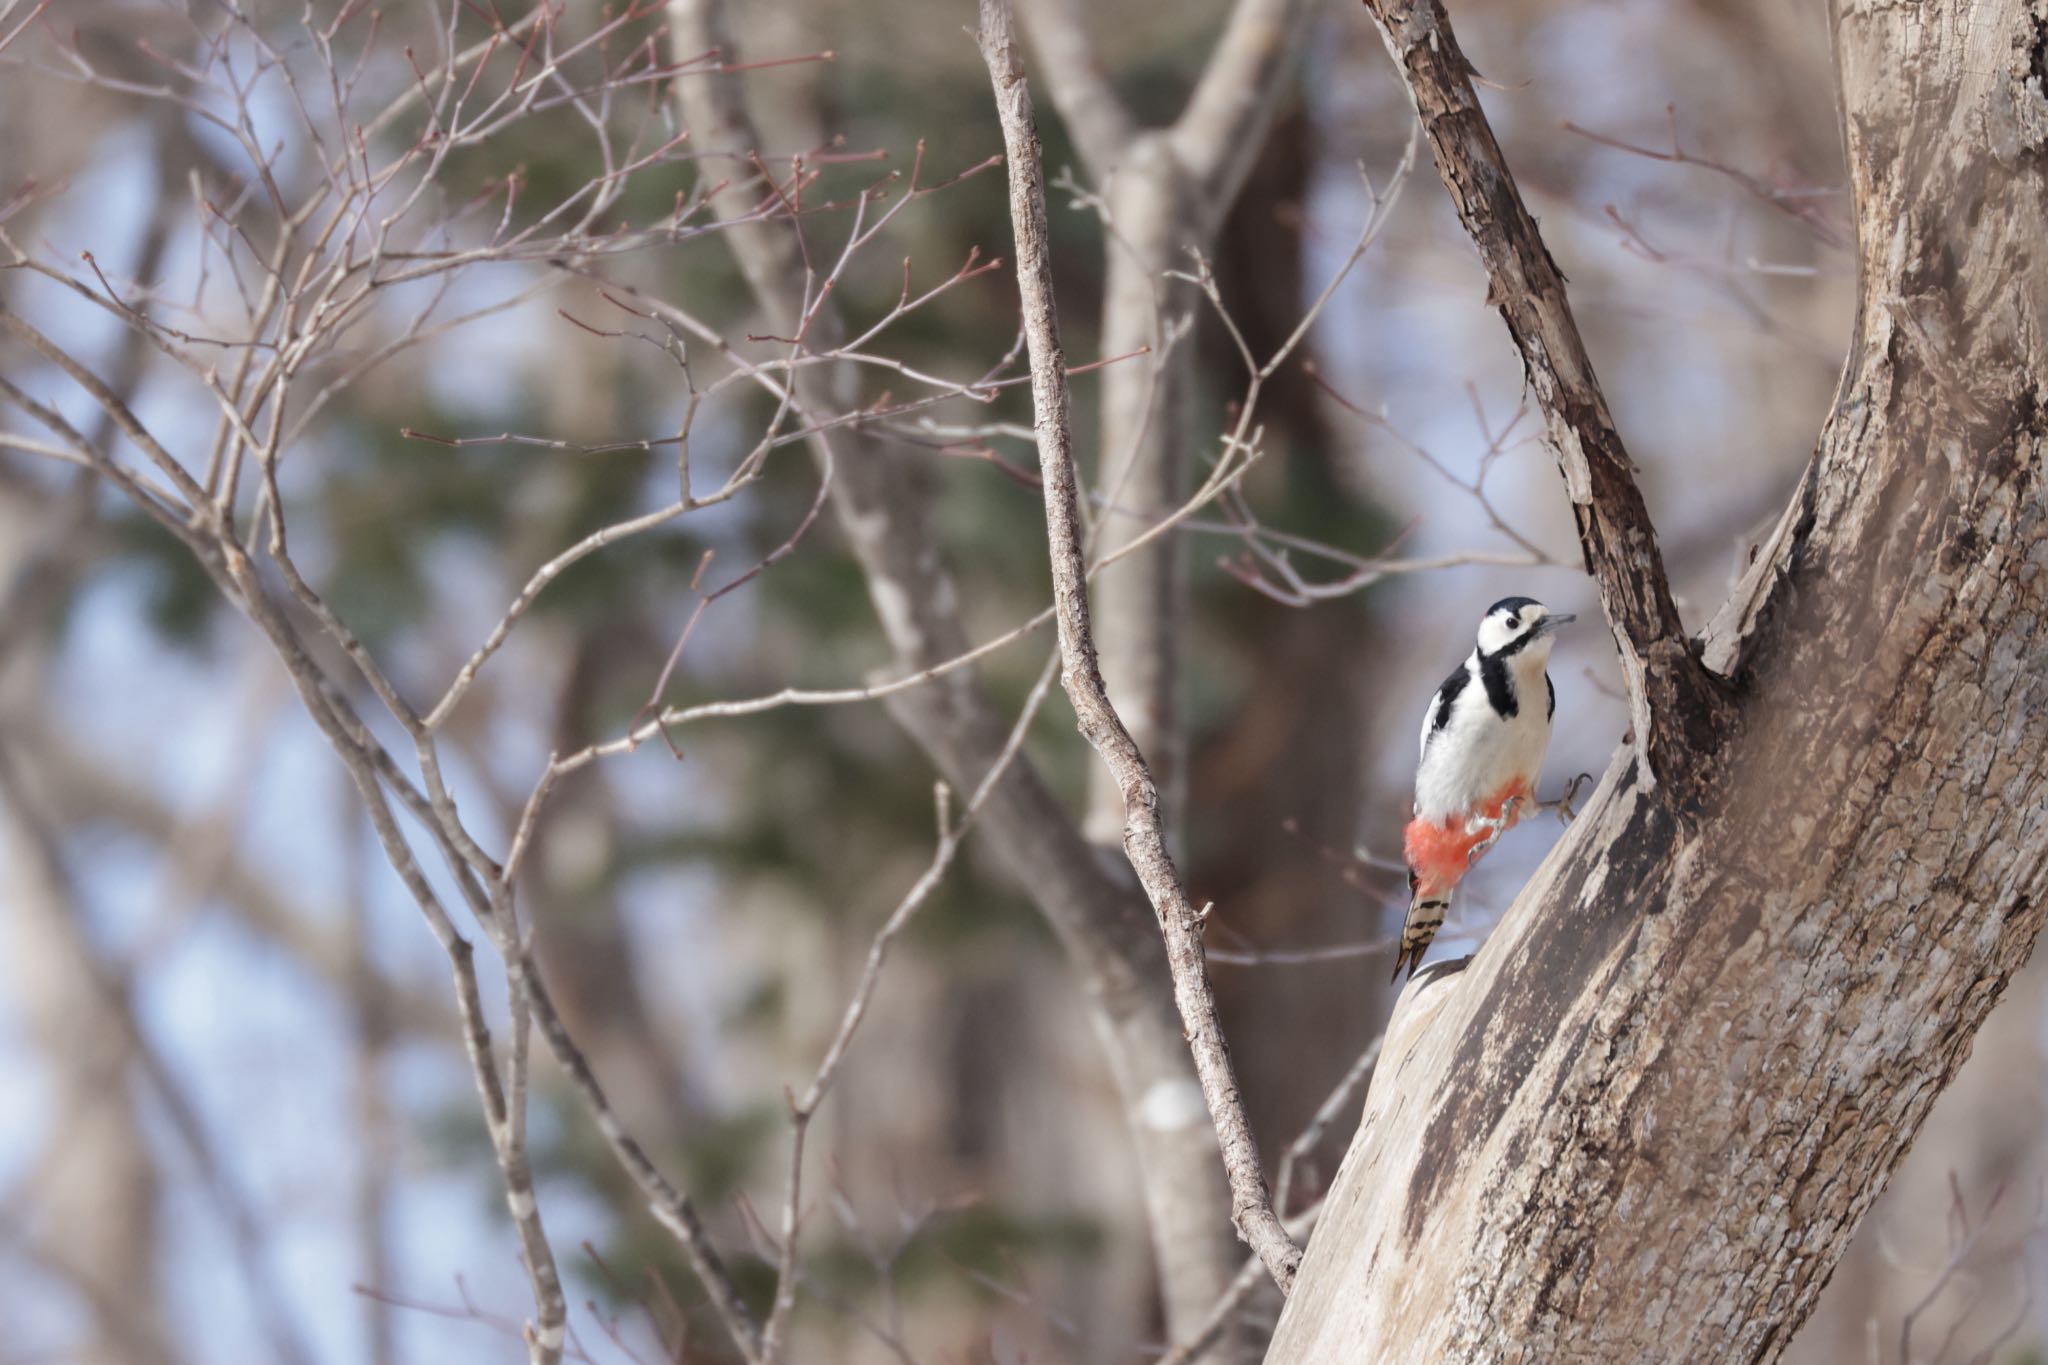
(1446, 697)
(1551, 714)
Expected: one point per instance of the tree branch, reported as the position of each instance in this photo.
(1223, 128)
(1144, 832)
(1677, 706)
(1096, 119)
(1115, 951)
(1163, 196)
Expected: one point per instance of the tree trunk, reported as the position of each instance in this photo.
(90, 1205)
(1644, 1121)
(1092, 905)
(1142, 601)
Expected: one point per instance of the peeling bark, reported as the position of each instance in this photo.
(1644, 1121)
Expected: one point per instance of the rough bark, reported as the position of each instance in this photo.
(1644, 1120)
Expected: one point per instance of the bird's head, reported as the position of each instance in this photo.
(1520, 626)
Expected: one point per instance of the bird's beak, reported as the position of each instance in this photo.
(1556, 621)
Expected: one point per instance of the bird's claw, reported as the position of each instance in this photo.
(1494, 825)
(1564, 805)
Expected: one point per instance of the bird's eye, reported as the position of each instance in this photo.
(1514, 623)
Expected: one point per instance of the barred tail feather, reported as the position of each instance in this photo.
(1425, 917)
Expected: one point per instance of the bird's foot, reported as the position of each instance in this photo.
(1566, 804)
(1493, 825)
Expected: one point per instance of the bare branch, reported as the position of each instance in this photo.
(670, 1207)
(1803, 204)
(1144, 832)
(952, 832)
(1677, 707)
(1110, 942)
(1095, 117)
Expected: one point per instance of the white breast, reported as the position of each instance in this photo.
(1479, 751)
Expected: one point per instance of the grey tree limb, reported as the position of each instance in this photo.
(1144, 830)
(326, 289)
(1096, 118)
(1164, 193)
(1221, 131)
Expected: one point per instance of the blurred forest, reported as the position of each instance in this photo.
(239, 1122)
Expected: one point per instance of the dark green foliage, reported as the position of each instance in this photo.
(180, 601)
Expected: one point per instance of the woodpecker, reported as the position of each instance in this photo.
(1482, 742)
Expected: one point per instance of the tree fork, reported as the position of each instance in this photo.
(1678, 708)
